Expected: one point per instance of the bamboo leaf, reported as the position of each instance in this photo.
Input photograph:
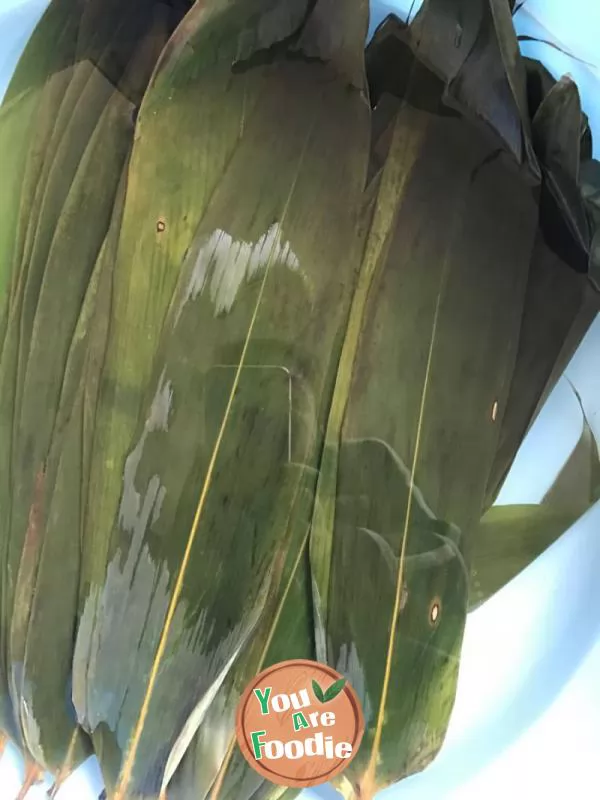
(507, 540)
(25, 128)
(554, 46)
(549, 336)
(257, 381)
(50, 728)
(172, 181)
(88, 129)
(557, 136)
(15, 130)
(199, 713)
(473, 46)
(577, 486)
(410, 476)
(213, 766)
(590, 187)
(539, 82)
(550, 331)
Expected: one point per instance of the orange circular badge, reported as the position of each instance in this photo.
(299, 723)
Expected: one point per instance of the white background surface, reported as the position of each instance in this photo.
(526, 722)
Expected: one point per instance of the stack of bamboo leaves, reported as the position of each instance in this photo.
(276, 313)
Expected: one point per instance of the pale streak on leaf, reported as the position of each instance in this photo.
(31, 729)
(234, 261)
(158, 420)
(349, 664)
(121, 789)
(197, 716)
(130, 610)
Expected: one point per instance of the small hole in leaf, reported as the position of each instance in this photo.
(495, 411)
(435, 610)
(161, 226)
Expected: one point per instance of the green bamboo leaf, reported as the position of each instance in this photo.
(286, 632)
(556, 128)
(557, 139)
(49, 726)
(15, 129)
(318, 692)
(539, 82)
(507, 540)
(577, 486)
(590, 189)
(88, 129)
(550, 334)
(173, 178)
(474, 47)
(554, 46)
(550, 331)
(38, 85)
(333, 691)
(25, 127)
(251, 401)
(404, 482)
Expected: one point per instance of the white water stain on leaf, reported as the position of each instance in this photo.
(232, 263)
(122, 620)
(129, 611)
(31, 729)
(158, 419)
(348, 665)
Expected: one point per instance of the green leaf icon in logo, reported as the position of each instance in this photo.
(329, 694)
(318, 692)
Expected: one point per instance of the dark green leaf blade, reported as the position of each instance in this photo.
(88, 129)
(507, 540)
(577, 485)
(439, 335)
(254, 292)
